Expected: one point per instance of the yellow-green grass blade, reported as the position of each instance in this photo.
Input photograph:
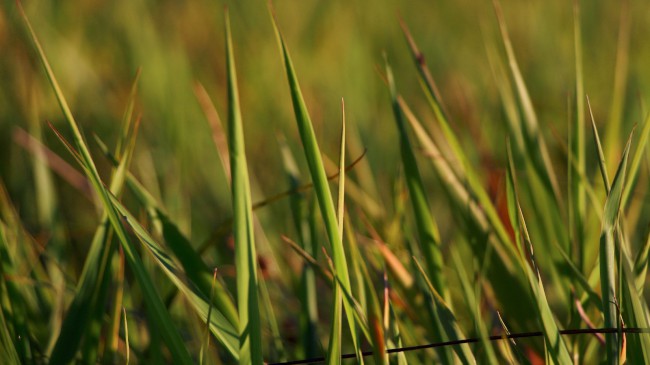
(250, 332)
(163, 321)
(356, 279)
(635, 164)
(448, 321)
(615, 119)
(533, 137)
(334, 344)
(608, 256)
(555, 346)
(472, 303)
(599, 149)
(319, 178)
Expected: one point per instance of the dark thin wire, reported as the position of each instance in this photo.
(473, 340)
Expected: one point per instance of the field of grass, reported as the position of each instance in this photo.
(347, 182)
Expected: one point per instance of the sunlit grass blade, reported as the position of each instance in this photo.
(163, 320)
(533, 136)
(250, 332)
(555, 345)
(319, 178)
(608, 255)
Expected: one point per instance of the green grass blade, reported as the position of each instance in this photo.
(162, 318)
(426, 226)
(599, 149)
(250, 333)
(608, 257)
(319, 179)
(334, 344)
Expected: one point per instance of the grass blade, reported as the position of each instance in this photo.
(608, 256)
(250, 333)
(319, 178)
(162, 318)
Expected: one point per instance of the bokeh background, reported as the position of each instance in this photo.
(338, 48)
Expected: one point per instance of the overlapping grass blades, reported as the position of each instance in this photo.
(250, 335)
(159, 313)
(91, 289)
(319, 179)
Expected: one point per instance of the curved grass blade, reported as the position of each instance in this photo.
(250, 333)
